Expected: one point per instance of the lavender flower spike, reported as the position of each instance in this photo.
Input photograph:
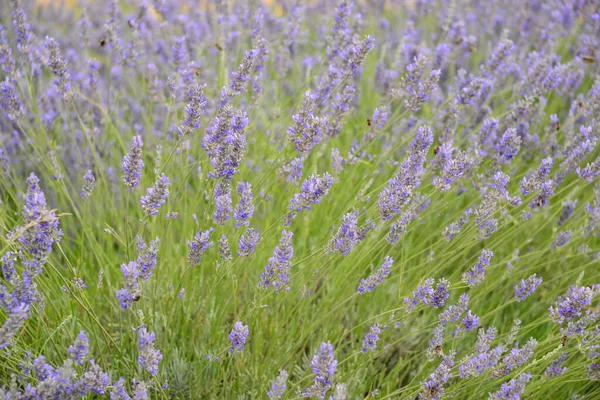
(279, 386)
(312, 192)
(156, 196)
(148, 357)
(476, 275)
(238, 337)
(527, 287)
(571, 304)
(277, 271)
(198, 246)
(13, 324)
(377, 278)
(513, 389)
(89, 182)
(324, 366)
(245, 209)
(58, 66)
(133, 163)
(80, 348)
(248, 242)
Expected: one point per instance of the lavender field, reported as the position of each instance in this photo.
(328, 199)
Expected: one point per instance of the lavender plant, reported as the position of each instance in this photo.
(398, 199)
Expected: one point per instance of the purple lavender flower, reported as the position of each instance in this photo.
(348, 234)
(401, 187)
(454, 164)
(562, 238)
(131, 292)
(312, 192)
(279, 386)
(146, 256)
(508, 146)
(324, 366)
(245, 209)
(527, 287)
(513, 389)
(80, 349)
(148, 357)
(517, 357)
(377, 278)
(93, 380)
(339, 110)
(593, 371)
(308, 128)
(89, 182)
(119, 392)
(247, 243)
(156, 196)
(480, 362)
(7, 62)
(533, 182)
(58, 66)
(475, 276)
(133, 163)
(371, 338)
(436, 342)
(571, 304)
(427, 295)
(193, 110)
(453, 313)
(224, 249)
(9, 100)
(13, 324)
(470, 322)
(198, 246)
(567, 212)
(293, 170)
(42, 227)
(556, 368)
(454, 228)
(223, 204)
(238, 336)
(225, 142)
(433, 387)
(277, 270)
(140, 391)
(240, 78)
(358, 52)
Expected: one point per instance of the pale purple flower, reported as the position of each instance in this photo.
(476, 275)
(80, 349)
(371, 338)
(238, 336)
(428, 295)
(277, 270)
(376, 278)
(527, 287)
(324, 366)
(279, 386)
(571, 304)
(556, 368)
(312, 192)
(89, 183)
(133, 163)
(156, 196)
(513, 389)
(148, 357)
(433, 387)
(198, 246)
(248, 242)
(244, 209)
